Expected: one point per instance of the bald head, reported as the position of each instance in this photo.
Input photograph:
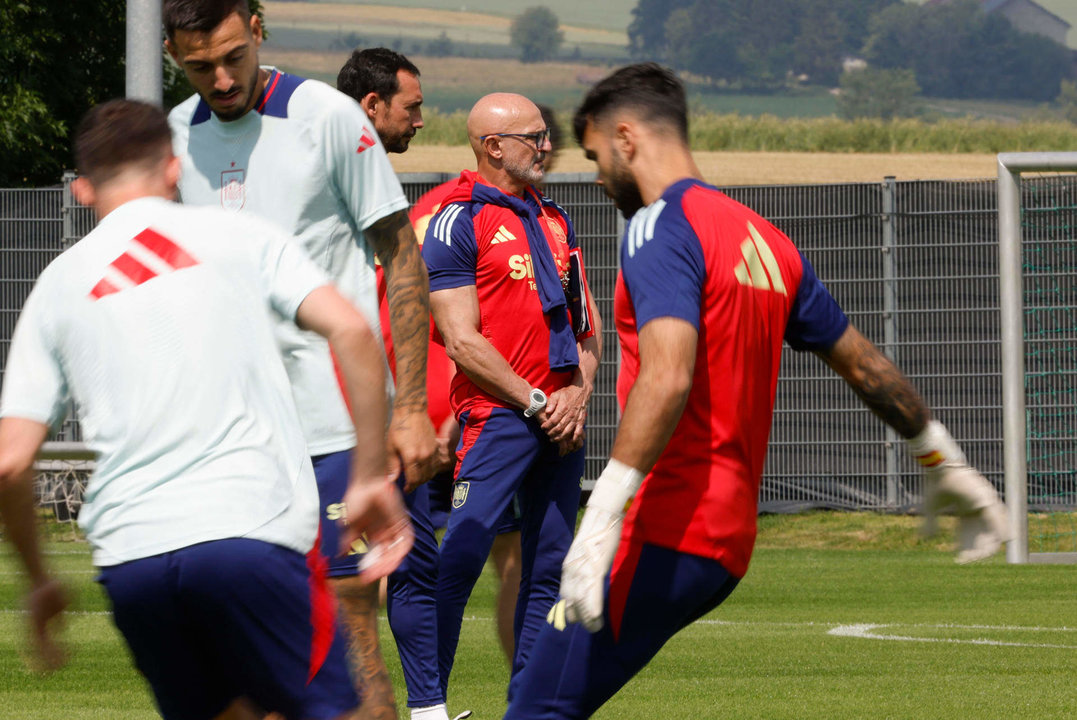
(502, 113)
(506, 133)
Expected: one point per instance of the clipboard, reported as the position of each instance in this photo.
(576, 294)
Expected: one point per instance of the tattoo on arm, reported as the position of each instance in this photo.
(878, 383)
(408, 292)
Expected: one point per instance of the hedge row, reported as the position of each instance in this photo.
(711, 131)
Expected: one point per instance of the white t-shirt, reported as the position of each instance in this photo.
(308, 159)
(159, 326)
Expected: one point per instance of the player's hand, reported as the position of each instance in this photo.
(445, 459)
(376, 509)
(981, 517)
(571, 444)
(45, 604)
(583, 573)
(411, 438)
(566, 412)
(950, 482)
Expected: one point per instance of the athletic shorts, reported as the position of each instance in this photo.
(332, 471)
(229, 618)
(651, 594)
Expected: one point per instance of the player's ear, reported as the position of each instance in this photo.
(493, 147)
(256, 29)
(369, 103)
(83, 191)
(172, 51)
(624, 140)
(172, 175)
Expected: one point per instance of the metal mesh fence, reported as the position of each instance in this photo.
(914, 265)
(1049, 269)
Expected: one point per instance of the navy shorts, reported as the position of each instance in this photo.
(651, 594)
(332, 472)
(232, 618)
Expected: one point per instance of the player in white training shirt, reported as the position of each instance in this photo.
(307, 159)
(255, 140)
(158, 325)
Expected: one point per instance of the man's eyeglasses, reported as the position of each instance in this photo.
(538, 138)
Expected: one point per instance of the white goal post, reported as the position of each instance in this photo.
(1012, 307)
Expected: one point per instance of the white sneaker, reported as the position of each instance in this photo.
(463, 715)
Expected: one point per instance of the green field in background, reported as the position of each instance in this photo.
(947, 642)
(605, 15)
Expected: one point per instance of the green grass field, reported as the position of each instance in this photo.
(829, 623)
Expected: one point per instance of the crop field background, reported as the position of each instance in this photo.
(842, 615)
(314, 39)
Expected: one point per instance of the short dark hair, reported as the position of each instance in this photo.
(550, 118)
(373, 70)
(651, 91)
(200, 15)
(118, 134)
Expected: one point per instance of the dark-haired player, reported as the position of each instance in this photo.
(202, 511)
(708, 292)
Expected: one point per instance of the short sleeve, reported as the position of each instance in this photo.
(816, 321)
(662, 264)
(358, 166)
(35, 387)
(450, 249)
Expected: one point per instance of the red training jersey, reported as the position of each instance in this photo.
(476, 243)
(697, 255)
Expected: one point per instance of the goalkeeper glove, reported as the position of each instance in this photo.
(952, 482)
(591, 554)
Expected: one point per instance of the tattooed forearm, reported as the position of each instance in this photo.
(359, 613)
(408, 292)
(878, 382)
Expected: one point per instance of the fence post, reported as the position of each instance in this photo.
(144, 61)
(67, 218)
(889, 262)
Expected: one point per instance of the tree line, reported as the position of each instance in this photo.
(953, 49)
(57, 60)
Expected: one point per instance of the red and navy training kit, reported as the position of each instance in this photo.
(699, 256)
(515, 251)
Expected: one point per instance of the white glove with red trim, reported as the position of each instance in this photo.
(584, 570)
(951, 482)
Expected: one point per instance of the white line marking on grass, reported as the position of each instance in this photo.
(868, 632)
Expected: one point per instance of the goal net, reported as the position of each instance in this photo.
(60, 476)
(1037, 211)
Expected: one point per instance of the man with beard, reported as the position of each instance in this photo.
(386, 86)
(707, 293)
(299, 153)
(510, 300)
(202, 511)
(505, 552)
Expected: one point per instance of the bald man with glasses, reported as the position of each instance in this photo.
(510, 301)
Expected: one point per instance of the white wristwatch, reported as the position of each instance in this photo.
(537, 398)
